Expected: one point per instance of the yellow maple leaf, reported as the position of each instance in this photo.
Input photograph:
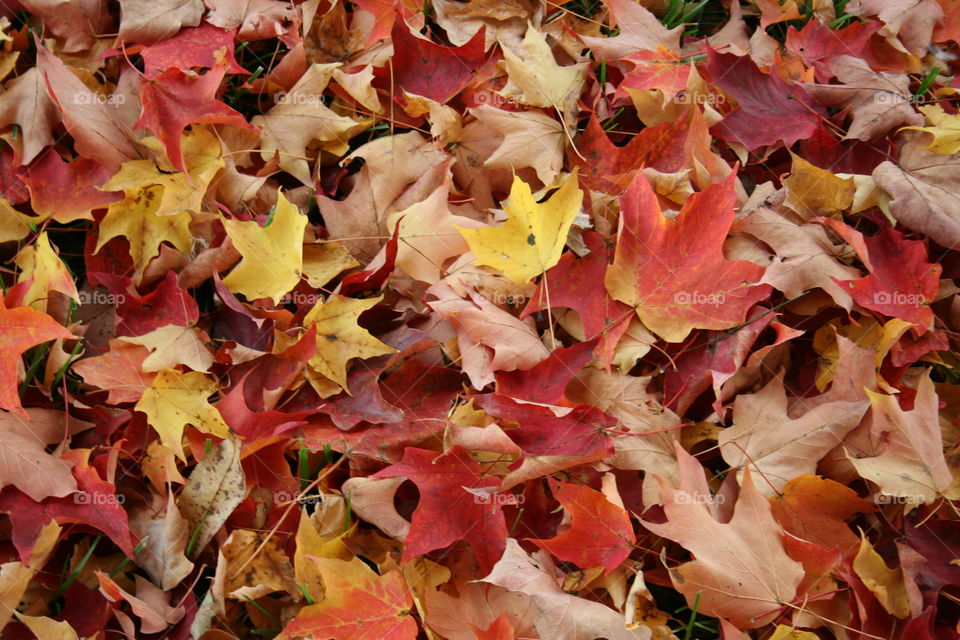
(177, 399)
(272, 255)
(323, 261)
(339, 337)
(157, 204)
(944, 128)
(181, 191)
(886, 584)
(537, 79)
(14, 225)
(41, 264)
(532, 238)
(812, 191)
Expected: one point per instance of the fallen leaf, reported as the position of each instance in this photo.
(533, 237)
(215, 488)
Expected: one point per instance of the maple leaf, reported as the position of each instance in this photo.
(637, 30)
(901, 283)
(150, 604)
(428, 230)
(448, 510)
(272, 255)
(148, 21)
(660, 69)
(944, 127)
(22, 329)
(25, 101)
(536, 79)
(423, 68)
(300, 118)
(358, 603)
(792, 449)
(174, 99)
(157, 204)
(439, 317)
(907, 27)
(166, 304)
(175, 400)
(819, 45)
(24, 461)
(599, 314)
(672, 271)
(339, 337)
(118, 371)
(530, 139)
(558, 614)
(703, 360)
(903, 454)
(489, 339)
(741, 571)
(877, 101)
(660, 147)
(204, 46)
(805, 258)
(44, 272)
(170, 346)
(550, 442)
(532, 238)
(600, 532)
(97, 504)
(814, 508)
(68, 191)
(770, 110)
(923, 189)
(97, 129)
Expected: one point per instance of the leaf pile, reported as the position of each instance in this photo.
(478, 320)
